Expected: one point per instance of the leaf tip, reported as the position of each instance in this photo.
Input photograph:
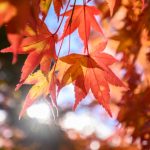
(18, 86)
(74, 106)
(21, 114)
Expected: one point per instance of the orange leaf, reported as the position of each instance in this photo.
(42, 86)
(83, 19)
(40, 48)
(90, 72)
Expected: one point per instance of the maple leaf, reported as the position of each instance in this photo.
(15, 40)
(40, 48)
(42, 87)
(89, 72)
(83, 19)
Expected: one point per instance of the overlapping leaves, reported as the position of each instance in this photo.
(89, 72)
(39, 46)
(42, 87)
(30, 36)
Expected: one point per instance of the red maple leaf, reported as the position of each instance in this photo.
(40, 47)
(81, 17)
(89, 72)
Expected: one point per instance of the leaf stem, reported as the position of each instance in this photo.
(85, 31)
(62, 19)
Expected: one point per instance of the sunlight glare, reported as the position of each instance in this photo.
(3, 116)
(40, 111)
(95, 145)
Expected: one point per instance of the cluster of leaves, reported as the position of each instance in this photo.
(134, 48)
(28, 34)
(139, 104)
(89, 71)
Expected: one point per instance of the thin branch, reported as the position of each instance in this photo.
(62, 18)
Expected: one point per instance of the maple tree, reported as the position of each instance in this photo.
(89, 71)
(33, 38)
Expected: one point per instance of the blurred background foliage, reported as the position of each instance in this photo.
(89, 128)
